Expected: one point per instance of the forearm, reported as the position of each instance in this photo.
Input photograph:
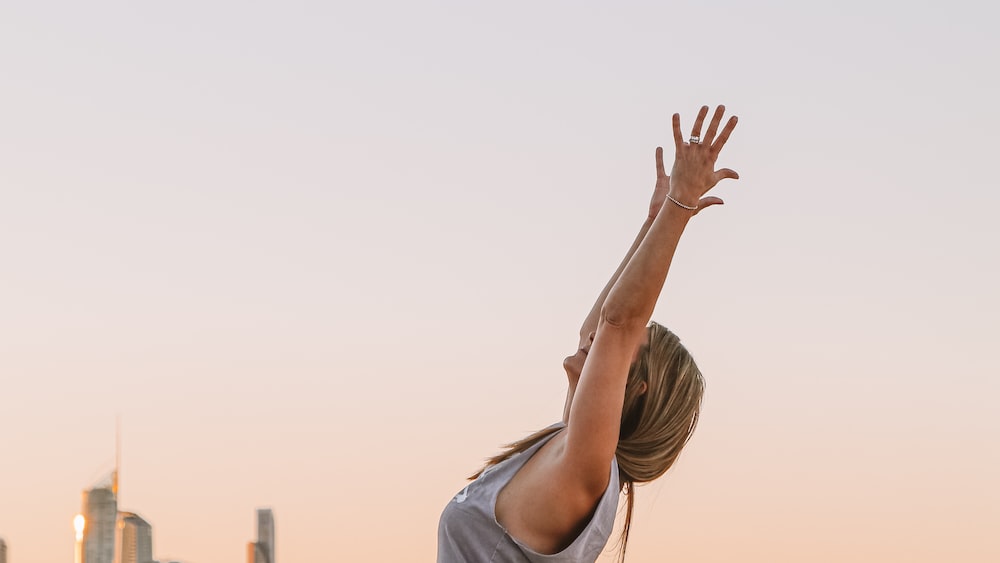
(590, 324)
(632, 297)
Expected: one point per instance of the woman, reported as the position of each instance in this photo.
(633, 399)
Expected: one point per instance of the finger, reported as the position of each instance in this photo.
(708, 202)
(713, 126)
(724, 173)
(724, 135)
(660, 171)
(698, 121)
(678, 138)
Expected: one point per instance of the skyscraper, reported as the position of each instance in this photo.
(135, 539)
(100, 512)
(264, 550)
(3, 551)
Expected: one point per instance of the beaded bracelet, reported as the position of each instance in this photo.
(679, 204)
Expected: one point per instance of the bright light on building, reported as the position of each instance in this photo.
(78, 523)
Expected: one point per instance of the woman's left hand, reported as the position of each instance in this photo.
(662, 188)
(694, 173)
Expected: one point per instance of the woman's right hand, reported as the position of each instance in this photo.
(661, 188)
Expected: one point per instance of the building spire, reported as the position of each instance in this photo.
(118, 455)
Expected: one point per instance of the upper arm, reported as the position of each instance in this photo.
(595, 412)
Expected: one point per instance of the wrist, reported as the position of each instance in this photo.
(674, 212)
(681, 202)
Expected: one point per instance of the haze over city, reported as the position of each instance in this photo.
(324, 258)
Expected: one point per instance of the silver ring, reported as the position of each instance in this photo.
(695, 139)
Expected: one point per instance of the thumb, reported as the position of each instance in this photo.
(723, 173)
(707, 202)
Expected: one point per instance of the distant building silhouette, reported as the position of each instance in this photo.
(97, 522)
(3, 551)
(135, 539)
(100, 514)
(262, 551)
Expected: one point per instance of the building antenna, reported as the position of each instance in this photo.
(118, 455)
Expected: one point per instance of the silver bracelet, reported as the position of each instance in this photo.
(679, 204)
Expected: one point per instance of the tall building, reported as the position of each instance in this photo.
(3, 551)
(263, 549)
(135, 539)
(100, 514)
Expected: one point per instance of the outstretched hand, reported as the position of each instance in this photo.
(693, 173)
(662, 188)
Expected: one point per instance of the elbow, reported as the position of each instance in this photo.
(622, 309)
(622, 317)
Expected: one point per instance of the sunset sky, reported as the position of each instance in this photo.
(325, 257)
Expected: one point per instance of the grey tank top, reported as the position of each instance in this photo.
(469, 531)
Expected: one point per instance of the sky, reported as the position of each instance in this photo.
(326, 257)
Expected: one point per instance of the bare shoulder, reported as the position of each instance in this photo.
(543, 506)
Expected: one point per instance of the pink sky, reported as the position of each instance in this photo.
(327, 259)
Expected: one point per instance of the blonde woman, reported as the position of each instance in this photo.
(632, 404)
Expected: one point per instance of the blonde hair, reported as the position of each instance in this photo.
(656, 421)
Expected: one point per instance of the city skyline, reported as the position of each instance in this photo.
(106, 534)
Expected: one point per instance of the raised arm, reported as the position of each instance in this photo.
(589, 327)
(595, 413)
(660, 190)
(556, 491)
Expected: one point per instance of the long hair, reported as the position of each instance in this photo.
(657, 421)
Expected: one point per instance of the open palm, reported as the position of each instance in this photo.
(662, 188)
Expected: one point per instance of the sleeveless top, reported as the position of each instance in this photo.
(469, 531)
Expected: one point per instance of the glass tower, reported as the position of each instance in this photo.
(265, 534)
(100, 513)
(135, 539)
